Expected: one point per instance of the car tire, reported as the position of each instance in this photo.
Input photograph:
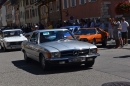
(4, 48)
(44, 64)
(26, 58)
(89, 64)
(94, 41)
(104, 42)
(1, 47)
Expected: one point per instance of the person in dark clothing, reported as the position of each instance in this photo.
(41, 26)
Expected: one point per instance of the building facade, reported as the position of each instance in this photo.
(9, 8)
(22, 12)
(3, 16)
(49, 11)
(83, 9)
(31, 12)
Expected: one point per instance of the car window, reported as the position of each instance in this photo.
(76, 29)
(85, 31)
(34, 37)
(98, 30)
(12, 33)
(48, 36)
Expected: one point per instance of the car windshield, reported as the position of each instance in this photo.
(12, 33)
(85, 31)
(48, 36)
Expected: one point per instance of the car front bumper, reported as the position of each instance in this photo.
(72, 59)
(14, 47)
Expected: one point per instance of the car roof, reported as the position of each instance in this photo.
(10, 30)
(70, 26)
(87, 28)
(49, 30)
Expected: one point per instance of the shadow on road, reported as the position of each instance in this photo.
(119, 83)
(14, 50)
(34, 68)
(126, 56)
(105, 48)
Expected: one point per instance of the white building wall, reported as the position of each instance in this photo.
(22, 9)
(3, 16)
(13, 15)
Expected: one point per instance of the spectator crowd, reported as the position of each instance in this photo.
(116, 27)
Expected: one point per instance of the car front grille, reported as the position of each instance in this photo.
(74, 52)
(15, 43)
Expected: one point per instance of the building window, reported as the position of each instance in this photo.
(65, 4)
(82, 1)
(92, 0)
(50, 7)
(73, 3)
(27, 2)
(44, 9)
(23, 15)
(33, 12)
(27, 14)
(54, 7)
(36, 12)
(57, 5)
(30, 13)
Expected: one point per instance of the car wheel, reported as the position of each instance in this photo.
(1, 47)
(89, 64)
(104, 42)
(94, 42)
(26, 58)
(4, 48)
(43, 62)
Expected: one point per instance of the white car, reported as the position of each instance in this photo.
(11, 39)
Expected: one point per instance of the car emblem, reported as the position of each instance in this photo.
(75, 53)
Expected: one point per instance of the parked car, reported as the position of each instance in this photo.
(53, 47)
(92, 35)
(11, 39)
(73, 29)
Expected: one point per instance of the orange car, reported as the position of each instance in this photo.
(92, 35)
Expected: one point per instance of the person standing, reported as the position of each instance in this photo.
(117, 32)
(124, 31)
(110, 29)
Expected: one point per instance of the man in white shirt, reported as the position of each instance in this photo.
(124, 31)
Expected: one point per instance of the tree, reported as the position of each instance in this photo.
(123, 7)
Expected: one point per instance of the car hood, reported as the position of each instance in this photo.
(14, 39)
(67, 45)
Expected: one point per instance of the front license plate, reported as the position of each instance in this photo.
(74, 60)
(83, 59)
(90, 59)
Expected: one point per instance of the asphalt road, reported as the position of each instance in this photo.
(112, 66)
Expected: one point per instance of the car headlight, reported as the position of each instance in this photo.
(55, 54)
(93, 50)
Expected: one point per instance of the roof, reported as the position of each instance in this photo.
(87, 28)
(13, 1)
(10, 30)
(50, 30)
(2, 2)
(70, 26)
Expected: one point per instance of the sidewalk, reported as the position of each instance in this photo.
(111, 45)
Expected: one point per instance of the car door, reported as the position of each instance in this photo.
(33, 45)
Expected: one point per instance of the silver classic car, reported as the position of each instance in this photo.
(58, 47)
